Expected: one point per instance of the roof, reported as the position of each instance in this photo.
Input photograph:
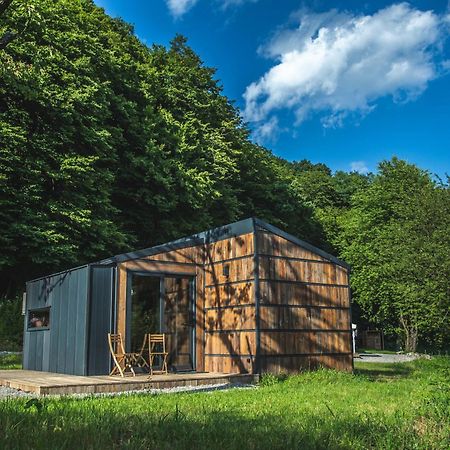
(213, 235)
(217, 234)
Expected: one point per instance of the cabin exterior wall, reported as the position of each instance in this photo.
(304, 308)
(230, 327)
(61, 347)
(225, 311)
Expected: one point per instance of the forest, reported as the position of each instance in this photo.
(108, 145)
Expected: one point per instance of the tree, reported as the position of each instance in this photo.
(108, 145)
(397, 239)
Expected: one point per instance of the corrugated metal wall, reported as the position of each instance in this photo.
(63, 347)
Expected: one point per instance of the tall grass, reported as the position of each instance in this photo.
(380, 406)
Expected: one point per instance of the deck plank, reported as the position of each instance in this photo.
(44, 383)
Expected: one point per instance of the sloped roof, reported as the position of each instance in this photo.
(217, 234)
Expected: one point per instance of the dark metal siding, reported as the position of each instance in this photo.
(33, 349)
(62, 348)
(101, 319)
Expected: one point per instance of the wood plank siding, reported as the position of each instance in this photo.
(230, 341)
(304, 308)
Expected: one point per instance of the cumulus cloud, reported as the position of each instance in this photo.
(338, 64)
(359, 166)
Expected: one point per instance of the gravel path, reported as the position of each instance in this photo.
(6, 392)
(388, 357)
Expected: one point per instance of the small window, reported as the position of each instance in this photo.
(39, 319)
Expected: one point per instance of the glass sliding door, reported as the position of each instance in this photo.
(160, 303)
(145, 310)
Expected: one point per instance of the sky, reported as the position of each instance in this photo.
(347, 83)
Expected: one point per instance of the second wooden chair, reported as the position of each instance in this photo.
(157, 349)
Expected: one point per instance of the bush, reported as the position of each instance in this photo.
(11, 324)
(268, 379)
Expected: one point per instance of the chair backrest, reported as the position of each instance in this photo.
(115, 343)
(155, 339)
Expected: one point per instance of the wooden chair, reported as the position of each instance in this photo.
(122, 361)
(139, 359)
(157, 348)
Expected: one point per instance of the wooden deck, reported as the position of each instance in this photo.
(45, 383)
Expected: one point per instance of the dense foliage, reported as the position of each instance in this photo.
(397, 238)
(108, 145)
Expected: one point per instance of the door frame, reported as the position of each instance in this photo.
(192, 304)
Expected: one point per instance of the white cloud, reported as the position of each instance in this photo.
(359, 166)
(267, 131)
(338, 64)
(227, 3)
(179, 7)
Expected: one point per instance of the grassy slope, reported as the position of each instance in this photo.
(380, 406)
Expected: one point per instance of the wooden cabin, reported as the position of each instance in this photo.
(242, 298)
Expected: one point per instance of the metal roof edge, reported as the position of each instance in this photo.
(301, 243)
(71, 269)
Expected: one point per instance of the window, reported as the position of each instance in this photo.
(39, 319)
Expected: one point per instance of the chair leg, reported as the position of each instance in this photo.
(117, 367)
(151, 364)
(139, 363)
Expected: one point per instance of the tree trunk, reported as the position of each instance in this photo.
(411, 335)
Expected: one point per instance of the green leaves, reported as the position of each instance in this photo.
(396, 237)
(107, 144)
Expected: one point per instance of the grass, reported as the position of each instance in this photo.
(380, 406)
(11, 361)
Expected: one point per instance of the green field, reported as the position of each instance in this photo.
(381, 406)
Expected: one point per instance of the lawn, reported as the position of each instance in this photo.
(380, 406)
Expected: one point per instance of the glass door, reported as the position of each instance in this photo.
(159, 303)
(144, 310)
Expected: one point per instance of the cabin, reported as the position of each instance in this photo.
(241, 298)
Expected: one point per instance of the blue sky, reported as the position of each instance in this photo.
(347, 83)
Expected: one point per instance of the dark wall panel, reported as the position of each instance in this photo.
(57, 349)
(33, 351)
(100, 319)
